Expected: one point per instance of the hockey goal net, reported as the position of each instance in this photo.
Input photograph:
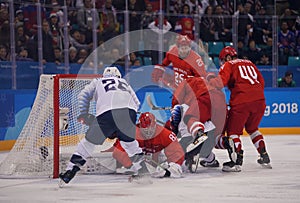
(51, 132)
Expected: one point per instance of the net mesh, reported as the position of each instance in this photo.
(32, 154)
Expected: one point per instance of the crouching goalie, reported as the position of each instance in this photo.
(153, 139)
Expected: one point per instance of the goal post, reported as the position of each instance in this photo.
(51, 132)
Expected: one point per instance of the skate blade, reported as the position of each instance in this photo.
(268, 166)
(61, 183)
(196, 143)
(231, 169)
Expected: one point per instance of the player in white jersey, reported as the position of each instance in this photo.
(116, 108)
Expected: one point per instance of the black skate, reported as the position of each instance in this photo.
(213, 164)
(264, 160)
(66, 177)
(236, 166)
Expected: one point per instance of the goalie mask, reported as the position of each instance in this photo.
(147, 125)
(111, 72)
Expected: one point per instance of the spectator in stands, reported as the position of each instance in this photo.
(264, 60)
(242, 50)
(136, 8)
(30, 17)
(59, 57)
(19, 19)
(297, 35)
(109, 25)
(4, 27)
(227, 6)
(72, 12)
(268, 49)
(287, 80)
(48, 51)
(86, 21)
(75, 40)
(148, 16)
(115, 58)
(253, 53)
(82, 55)
(262, 27)
(207, 26)
(55, 30)
(23, 55)
(21, 37)
(185, 24)
(73, 58)
(3, 53)
(245, 22)
(222, 25)
(286, 43)
(289, 17)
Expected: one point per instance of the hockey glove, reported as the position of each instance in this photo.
(176, 116)
(157, 73)
(172, 170)
(86, 118)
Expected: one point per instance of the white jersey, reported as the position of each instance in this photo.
(109, 93)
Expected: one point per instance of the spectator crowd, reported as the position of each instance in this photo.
(210, 20)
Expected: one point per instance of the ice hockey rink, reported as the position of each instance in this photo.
(253, 184)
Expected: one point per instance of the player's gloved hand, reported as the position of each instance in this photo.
(172, 170)
(210, 76)
(157, 73)
(176, 113)
(86, 118)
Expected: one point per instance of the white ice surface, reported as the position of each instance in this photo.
(253, 184)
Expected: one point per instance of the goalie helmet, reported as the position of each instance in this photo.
(111, 72)
(228, 50)
(147, 123)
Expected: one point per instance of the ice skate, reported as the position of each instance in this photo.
(66, 177)
(199, 139)
(213, 164)
(236, 166)
(210, 161)
(264, 160)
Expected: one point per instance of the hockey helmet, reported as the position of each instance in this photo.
(147, 123)
(111, 71)
(228, 50)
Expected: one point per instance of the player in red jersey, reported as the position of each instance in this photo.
(206, 104)
(186, 62)
(247, 105)
(153, 139)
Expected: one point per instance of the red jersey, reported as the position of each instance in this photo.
(192, 65)
(194, 92)
(163, 139)
(243, 79)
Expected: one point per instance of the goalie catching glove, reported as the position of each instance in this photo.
(86, 118)
(172, 170)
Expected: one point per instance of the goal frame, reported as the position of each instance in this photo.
(56, 136)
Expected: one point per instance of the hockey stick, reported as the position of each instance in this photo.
(153, 107)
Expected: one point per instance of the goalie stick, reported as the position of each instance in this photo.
(153, 107)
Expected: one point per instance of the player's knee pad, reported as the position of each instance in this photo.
(85, 148)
